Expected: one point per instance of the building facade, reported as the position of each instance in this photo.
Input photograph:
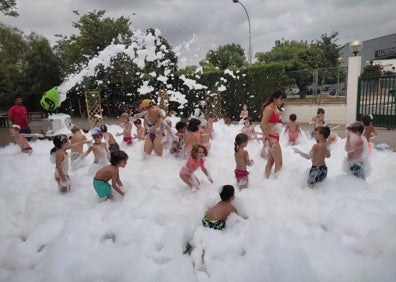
(380, 50)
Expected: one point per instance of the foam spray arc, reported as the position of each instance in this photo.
(143, 49)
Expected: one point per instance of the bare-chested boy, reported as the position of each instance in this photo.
(292, 129)
(140, 130)
(127, 129)
(20, 138)
(216, 216)
(77, 141)
(318, 153)
(100, 151)
(110, 172)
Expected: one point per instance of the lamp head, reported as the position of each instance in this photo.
(355, 46)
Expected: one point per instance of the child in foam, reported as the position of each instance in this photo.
(61, 160)
(318, 153)
(356, 161)
(109, 139)
(198, 152)
(293, 129)
(100, 151)
(110, 172)
(216, 216)
(20, 138)
(242, 160)
(127, 129)
(370, 133)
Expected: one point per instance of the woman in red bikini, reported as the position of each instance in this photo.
(271, 126)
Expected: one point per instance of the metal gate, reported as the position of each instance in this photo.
(377, 97)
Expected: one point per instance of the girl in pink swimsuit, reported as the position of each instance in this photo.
(271, 126)
(198, 152)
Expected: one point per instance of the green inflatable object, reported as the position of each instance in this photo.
(50, 100)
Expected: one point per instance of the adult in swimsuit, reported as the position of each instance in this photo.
(271, 126)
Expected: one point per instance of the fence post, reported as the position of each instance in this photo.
(354, 68)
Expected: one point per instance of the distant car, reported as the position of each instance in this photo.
(332, 91)
(293, 91)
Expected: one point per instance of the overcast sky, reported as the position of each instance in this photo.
(217, 22)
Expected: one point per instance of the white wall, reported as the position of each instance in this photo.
(334, 114)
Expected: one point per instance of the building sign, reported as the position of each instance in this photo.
(387, 52)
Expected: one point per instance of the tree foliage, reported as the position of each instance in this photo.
(28, 64)
(8, 8)
(229, 55)
(95, 33)
(300, 59)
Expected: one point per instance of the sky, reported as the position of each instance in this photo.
(205, 25)
(343, 230)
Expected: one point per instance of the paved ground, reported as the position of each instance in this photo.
(384, 135)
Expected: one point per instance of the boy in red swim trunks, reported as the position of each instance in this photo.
(292, 128)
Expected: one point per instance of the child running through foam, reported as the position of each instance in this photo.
(110, 172)
(198, 152)
(216, 216)
(318, 153)
(242, 160)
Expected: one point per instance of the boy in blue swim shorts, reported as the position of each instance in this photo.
(216, 217)
(111, 172)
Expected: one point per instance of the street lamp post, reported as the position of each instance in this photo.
(250, 33)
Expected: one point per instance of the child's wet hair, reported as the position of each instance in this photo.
(239, 139)
(75, 129)
(366, 120)
(138, 121)
(180, 125)
(323, 130)
(320, 111)
(356, 127)
(118, 156)
(227, 192)
(103, 128)
(193, 124)
(195, 150)
(249, 119)
(293, 117)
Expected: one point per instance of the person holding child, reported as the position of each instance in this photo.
(318, 153)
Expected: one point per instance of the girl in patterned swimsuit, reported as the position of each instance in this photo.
(61, 143)
(271, 126)
(198, 152)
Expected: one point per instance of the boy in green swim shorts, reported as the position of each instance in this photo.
(100, 182)
(216, 217)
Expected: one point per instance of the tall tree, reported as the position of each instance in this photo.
(8, 8)
(95, 33)
(229, 55)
